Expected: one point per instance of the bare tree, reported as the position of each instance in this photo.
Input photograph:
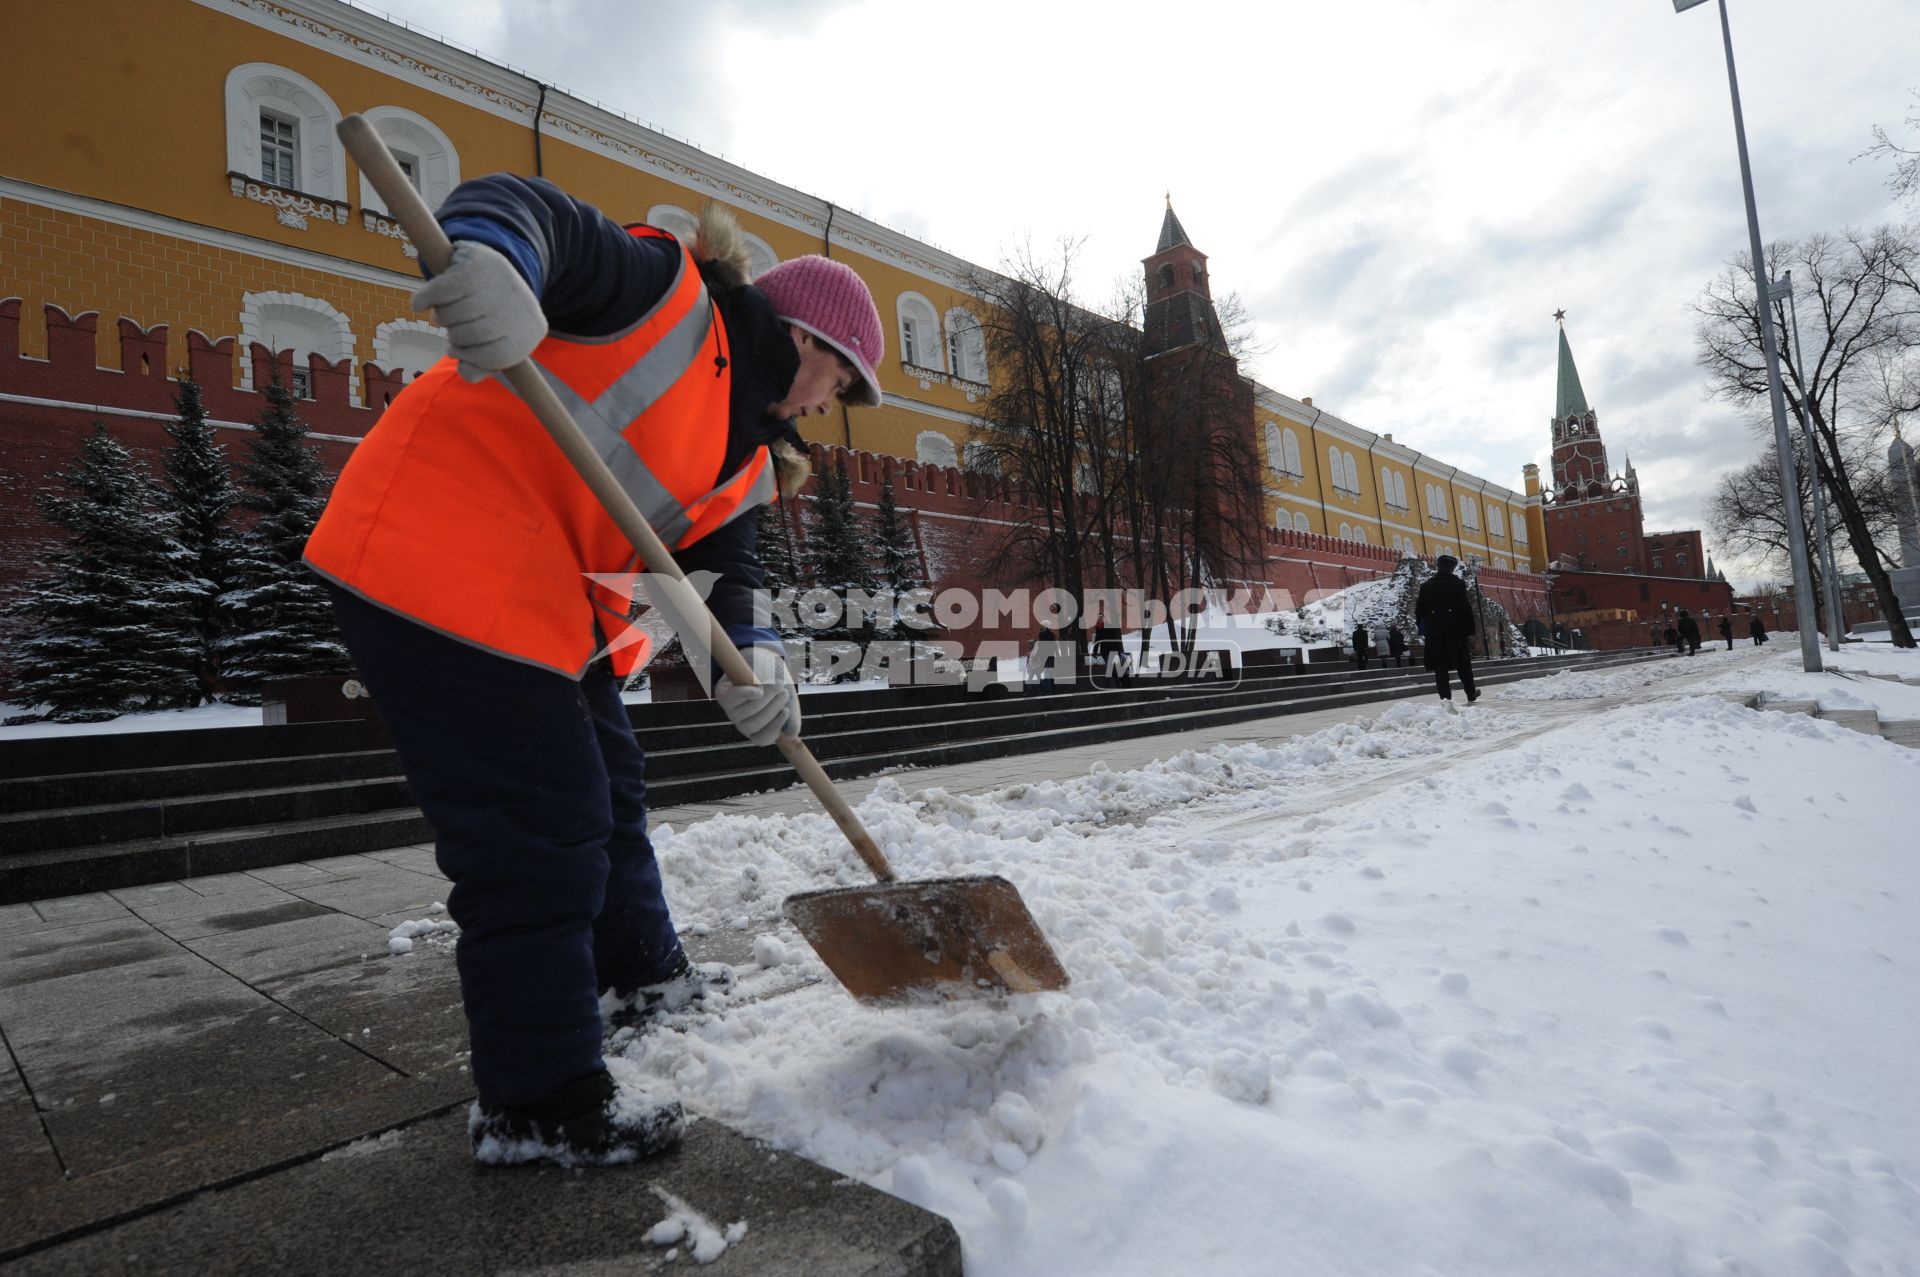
(1047, 415)
(1859, 318)
(1905, 181)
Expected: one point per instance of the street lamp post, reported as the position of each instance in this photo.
(1836, 619)
(1783, 441)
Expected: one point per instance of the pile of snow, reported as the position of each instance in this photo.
(1623, 997)
(160, 720)
(400, 939)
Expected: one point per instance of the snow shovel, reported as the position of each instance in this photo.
(892, 943)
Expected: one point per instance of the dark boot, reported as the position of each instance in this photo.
(685, 987)
(587, 1122)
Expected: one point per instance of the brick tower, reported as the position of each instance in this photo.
(1180, 309)
(1594, 517)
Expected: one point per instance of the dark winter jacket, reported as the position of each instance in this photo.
(1446, 610)
(1396, 642)
(1756, 629)
(1726, 628)
(1690, 630)
(594, 280)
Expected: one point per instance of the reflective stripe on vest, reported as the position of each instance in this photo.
(606, 418)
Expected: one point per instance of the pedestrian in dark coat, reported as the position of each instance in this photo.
(1726, 631)
(1756, 629)
(1362, 646)
(1689, 631)
(1445, 612)
(1397, 645)
(1673, 639)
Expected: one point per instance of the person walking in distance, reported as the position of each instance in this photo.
(1445, 612)
(1362, 646)
(1726, 631)
(1689, 632)
(1756, 629)
(467, 563)
(1397, 645)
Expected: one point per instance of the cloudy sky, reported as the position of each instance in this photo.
(1401, 191)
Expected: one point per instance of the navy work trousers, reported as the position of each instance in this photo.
(536, 790)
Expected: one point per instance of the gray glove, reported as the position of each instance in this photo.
(772, 706)
(492, 318)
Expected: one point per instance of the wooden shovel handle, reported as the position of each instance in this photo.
(370, 152)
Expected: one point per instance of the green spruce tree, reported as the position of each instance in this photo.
(200, 496)
(279, 622)
(105, 630)
(899, 559)
(779, 561)
(840, 554)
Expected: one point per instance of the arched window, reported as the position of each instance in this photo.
(1386, 485)
(280, 131)
(1346, 532)
(1353, 475)
(1496, 522)
(760, 255)
(1400, 491)
(1336, 471)
(1300, 523)
(981, 459)
(920, 344)
(411, 345)
(1276, 449)
(1520, 529)
(1469, 512)
(966, 346)
(306, 325)
(676, 221)
(931, 448)
(1360, 533)
(1291, 442)
(425, 155)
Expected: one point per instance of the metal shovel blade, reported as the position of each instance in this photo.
(931, 941)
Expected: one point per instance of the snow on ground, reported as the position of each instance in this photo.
(165, 720)
(1427, 994)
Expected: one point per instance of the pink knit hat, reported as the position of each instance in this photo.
(829, 300)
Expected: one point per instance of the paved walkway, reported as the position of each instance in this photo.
(241, 1033)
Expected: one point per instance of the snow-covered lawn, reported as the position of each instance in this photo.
(1521, 990)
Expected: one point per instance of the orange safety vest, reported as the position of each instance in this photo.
(459, 511)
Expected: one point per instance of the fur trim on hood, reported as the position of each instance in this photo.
(720, 246)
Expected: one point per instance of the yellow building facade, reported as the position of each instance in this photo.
(180, 168)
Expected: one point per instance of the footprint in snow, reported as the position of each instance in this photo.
(1672, 935)
(1653, 1028)
(1338, 923)
(1455, 982)
(1745, 803)
(1638, 1148)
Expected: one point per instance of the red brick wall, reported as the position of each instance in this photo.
(956, 517)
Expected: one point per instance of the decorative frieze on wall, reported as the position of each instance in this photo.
(291, 208)
(385, 226)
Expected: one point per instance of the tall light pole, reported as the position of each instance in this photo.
(1836, 619)
(1782, 440)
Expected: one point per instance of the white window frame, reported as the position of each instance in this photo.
(266, 317)
(966, 346)
(1469, 512)
(436, 164)
(1301, 523)
(1346, 532)
(921, 344)
(676, 221)
(1496, 521)
(1353, 473)
(936, 448)
(405, 343)
(760, 255)
(253, 87)
(1292, 447)
(1339, 471)
(1520, 529)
